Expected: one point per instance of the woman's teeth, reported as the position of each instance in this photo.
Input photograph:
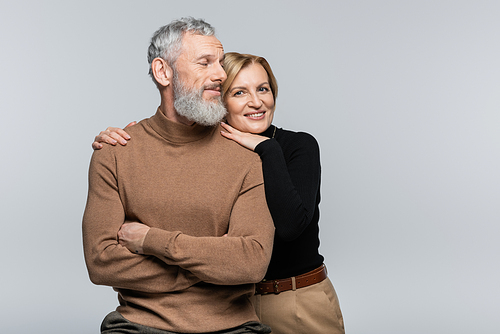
(256, 115)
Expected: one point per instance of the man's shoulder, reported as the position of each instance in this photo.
(137, 133)
(232, 149)
(139, 128)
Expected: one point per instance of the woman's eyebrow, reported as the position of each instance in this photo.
(239, 87)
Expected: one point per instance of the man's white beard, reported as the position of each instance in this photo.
(192, 105)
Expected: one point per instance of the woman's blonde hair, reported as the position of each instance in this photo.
(234, 62)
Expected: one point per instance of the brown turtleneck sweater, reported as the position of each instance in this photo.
(191, 186)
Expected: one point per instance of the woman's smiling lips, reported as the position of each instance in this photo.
(256, 115)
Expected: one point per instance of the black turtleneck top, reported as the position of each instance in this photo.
(292, 177)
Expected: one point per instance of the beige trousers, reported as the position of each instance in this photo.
(313, 309)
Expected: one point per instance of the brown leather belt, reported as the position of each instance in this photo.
(279, 285)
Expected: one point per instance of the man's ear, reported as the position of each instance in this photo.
(162, 72)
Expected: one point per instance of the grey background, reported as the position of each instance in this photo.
(403, 97)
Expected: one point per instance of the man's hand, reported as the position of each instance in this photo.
(112, 136)
(132, 235)
(245, 139)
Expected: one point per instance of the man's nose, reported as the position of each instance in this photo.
(218, 73)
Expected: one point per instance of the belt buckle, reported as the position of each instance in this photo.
(276, 286)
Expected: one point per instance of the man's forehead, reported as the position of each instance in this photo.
(195, 45)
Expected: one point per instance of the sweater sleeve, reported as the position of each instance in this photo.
(240, 258)
(292, 185)
(108, 262)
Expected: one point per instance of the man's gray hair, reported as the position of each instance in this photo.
(166, 42)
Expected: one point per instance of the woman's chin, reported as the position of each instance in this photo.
(258, 128)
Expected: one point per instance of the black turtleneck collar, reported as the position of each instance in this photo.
(269, 132)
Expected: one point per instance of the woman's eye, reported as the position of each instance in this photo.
(263, 89)
(238, 93)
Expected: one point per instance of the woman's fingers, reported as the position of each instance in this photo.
(120, 136)
(111, 136)
(230, 128)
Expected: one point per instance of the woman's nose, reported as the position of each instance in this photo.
(254, 101)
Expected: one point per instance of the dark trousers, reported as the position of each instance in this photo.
(115, 323)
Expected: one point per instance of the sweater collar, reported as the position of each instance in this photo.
(176, 132)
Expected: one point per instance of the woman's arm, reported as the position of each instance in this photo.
(291, 183)
(245, 139)
(291, 179)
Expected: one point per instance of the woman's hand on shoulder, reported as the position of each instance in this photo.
(112, 136)
(245, 139)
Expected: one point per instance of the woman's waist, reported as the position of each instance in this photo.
(293, 264)
(277, 286)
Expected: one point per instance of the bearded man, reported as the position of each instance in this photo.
(196, 198)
